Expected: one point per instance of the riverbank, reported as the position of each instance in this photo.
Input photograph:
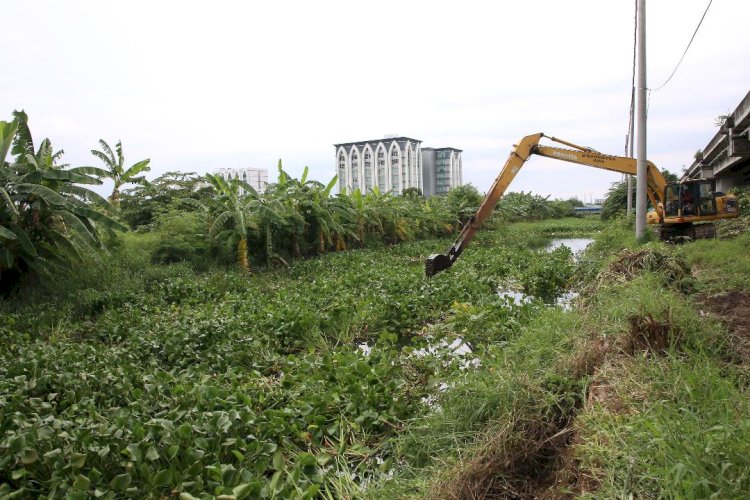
(352, 375)
(640, 389)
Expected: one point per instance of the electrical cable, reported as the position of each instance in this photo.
(688, 46)
(632, 80)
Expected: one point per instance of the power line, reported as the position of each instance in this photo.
(688, 46)
(632, 80)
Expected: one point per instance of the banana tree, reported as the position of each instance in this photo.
(46, 217)
(367, 214)
(271, 213)
(8, 208)
(294, 195)
(115, 169)
(235, 214)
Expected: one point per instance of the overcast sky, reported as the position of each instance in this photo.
(197, 86)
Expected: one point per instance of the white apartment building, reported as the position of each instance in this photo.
(395, 164)
(392, 164)
(257, 178)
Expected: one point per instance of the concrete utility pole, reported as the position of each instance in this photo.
(640, 186)
(629, 154)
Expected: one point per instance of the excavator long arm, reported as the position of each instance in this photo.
(528, 146)
(587, 156)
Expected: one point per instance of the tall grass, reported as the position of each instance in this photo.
(721, 265)
(659, 409)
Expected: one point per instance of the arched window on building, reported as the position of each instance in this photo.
(342, 171)
(406, 178)
(355, 169)
(368, 160)
(395, 169)
(382, 177)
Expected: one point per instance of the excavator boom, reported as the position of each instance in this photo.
(521, 152)
(528, 146)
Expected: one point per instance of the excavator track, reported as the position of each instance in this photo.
(675, 232)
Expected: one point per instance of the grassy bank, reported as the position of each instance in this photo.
(641, 390)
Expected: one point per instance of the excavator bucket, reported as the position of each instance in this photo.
(436, 263)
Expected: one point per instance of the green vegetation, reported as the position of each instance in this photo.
(161, 367)
(353, 375)
(143, 379)
(47, 219)
(209, 221)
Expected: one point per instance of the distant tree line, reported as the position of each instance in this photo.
(49, 215)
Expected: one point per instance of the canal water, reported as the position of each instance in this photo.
(577, 246)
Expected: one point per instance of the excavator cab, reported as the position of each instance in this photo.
(688, 199)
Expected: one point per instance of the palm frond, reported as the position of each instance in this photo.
(219, 223)
(68, 176)
(249, 190)
(107, 161)
(5, 198)
(23, 144)
(95, 171)
(120, 156)
(109, 156)
(194, 204)
(330, 186)
(30, 159)
(7, 258)
(25, 242)
(77, 225)
(141, 166)
(99, 218)
(7, 134)
(62, 241)
(219, 184)
(46, 194)
(84, 193)
(57, 155)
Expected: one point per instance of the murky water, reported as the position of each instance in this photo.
(576, 245)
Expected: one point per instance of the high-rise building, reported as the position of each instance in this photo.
(442, 170)
(257, 178)
(392, 164)
(395, 164)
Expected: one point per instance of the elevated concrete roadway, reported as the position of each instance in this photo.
(726, 158)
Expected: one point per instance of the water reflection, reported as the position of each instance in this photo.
(576, 245)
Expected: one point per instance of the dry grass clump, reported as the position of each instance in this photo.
(647, 334)
(516, 461)
(588, 357)
(629, 264)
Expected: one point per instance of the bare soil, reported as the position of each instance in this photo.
(733, 309)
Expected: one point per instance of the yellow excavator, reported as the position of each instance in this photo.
(679, 210)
